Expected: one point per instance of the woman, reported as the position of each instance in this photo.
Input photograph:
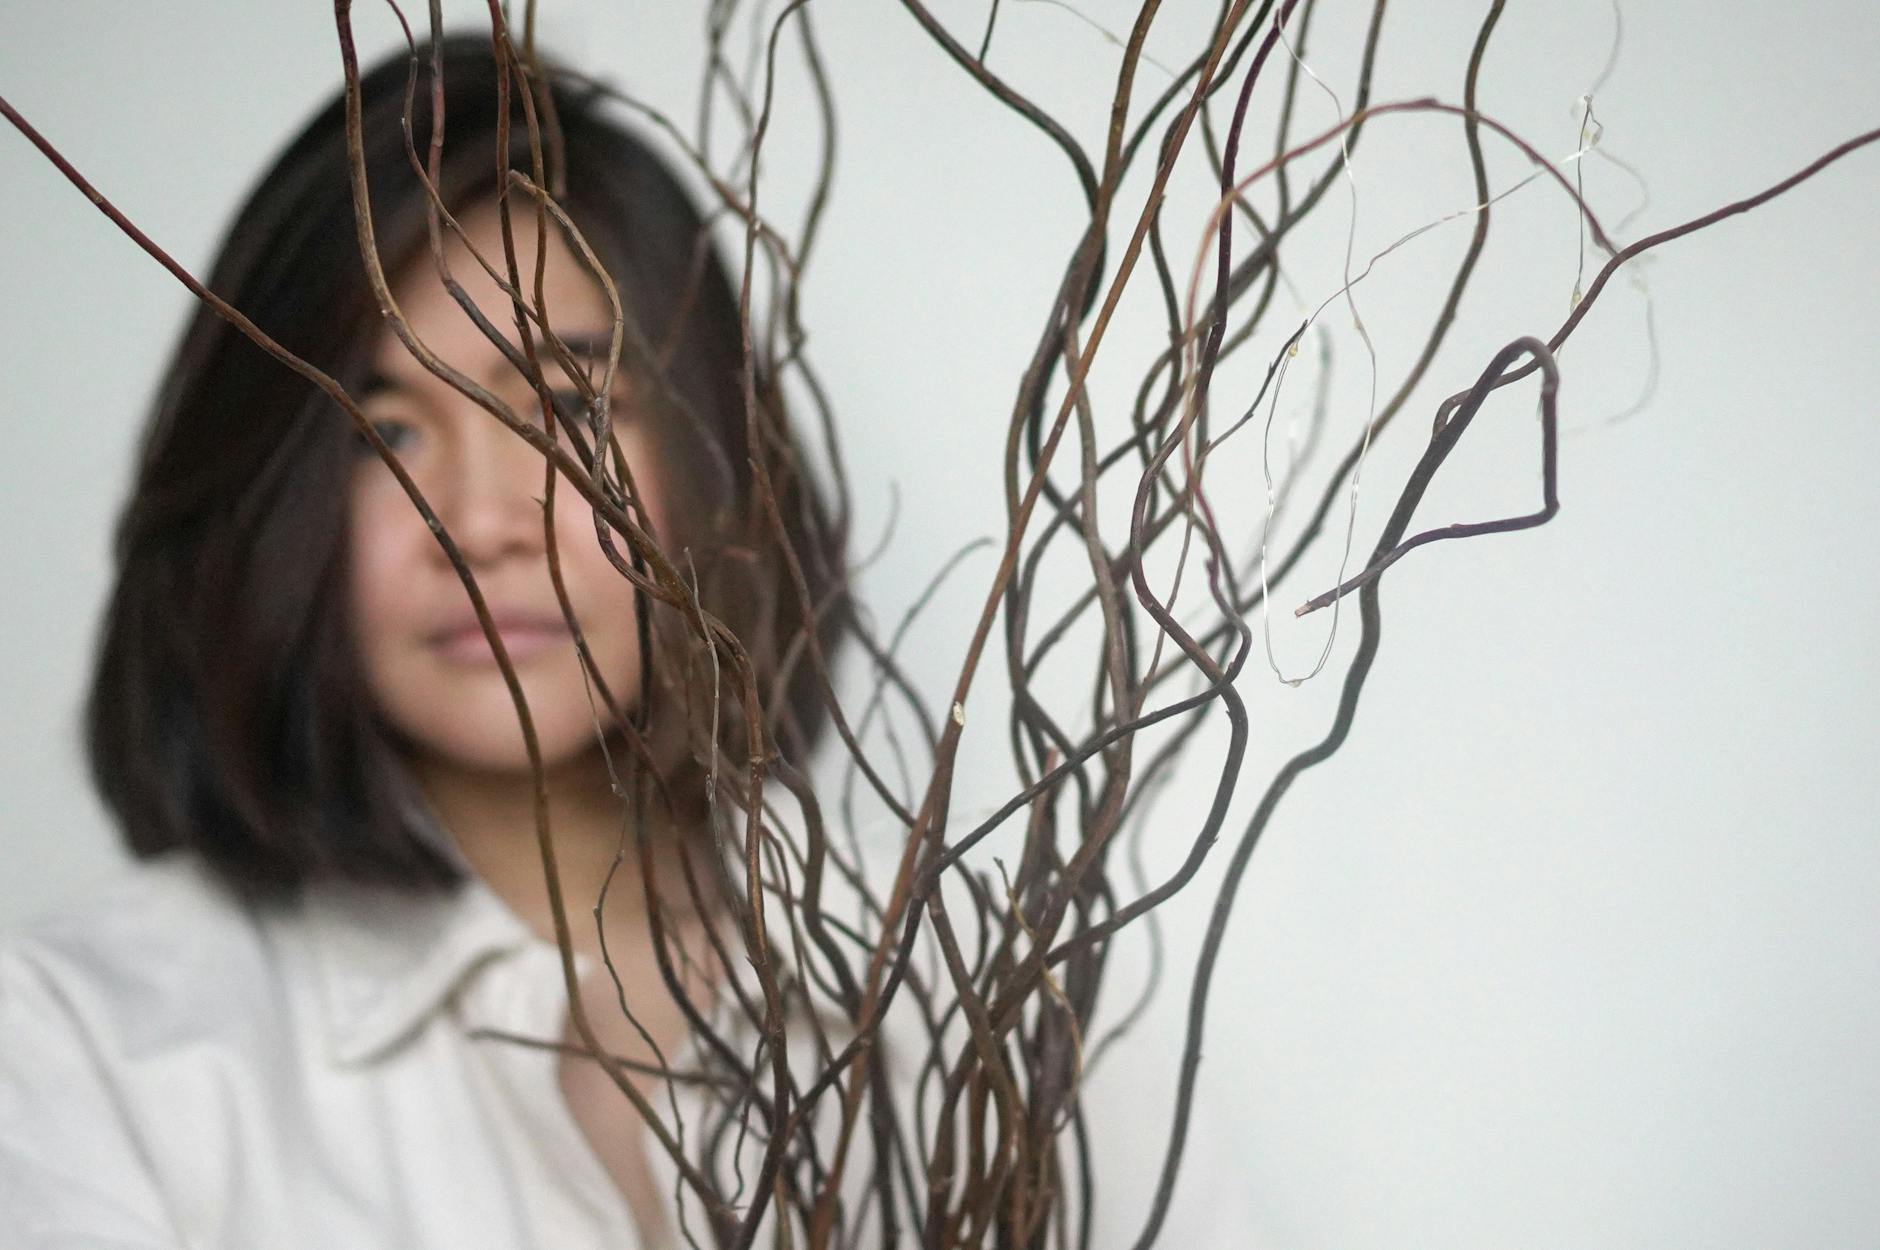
(327, 1007)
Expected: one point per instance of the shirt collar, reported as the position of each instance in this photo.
(387, 959)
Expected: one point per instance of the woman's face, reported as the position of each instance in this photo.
(426, 662)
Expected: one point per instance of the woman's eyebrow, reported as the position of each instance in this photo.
(375, 383)
(588, 349)
(592, 347)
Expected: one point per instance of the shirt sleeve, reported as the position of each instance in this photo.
(72, 1173)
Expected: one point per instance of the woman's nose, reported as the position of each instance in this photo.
(497, 482)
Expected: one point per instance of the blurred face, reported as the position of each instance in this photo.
(430, 670)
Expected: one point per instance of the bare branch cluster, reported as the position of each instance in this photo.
(805, 1120)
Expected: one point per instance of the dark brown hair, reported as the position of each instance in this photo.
(226, 712)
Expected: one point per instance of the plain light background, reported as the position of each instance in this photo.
(1575, 943)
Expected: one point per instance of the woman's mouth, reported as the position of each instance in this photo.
(521, 638)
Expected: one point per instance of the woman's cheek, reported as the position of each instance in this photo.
(603, 599)
(384, 530)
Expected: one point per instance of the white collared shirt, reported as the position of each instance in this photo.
(178, 1070)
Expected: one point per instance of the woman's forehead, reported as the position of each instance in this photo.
(577, 308)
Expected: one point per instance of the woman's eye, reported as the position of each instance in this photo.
(569, 401)
(398, 435)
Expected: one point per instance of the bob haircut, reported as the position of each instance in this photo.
(226, 713)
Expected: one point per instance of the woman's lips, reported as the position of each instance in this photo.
(521, 639)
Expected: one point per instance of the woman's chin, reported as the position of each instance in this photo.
(465, 719)
(496, 750)
(480, 730)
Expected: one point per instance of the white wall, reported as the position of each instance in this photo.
(1575, 944)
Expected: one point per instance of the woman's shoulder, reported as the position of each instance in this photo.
(122, 1014)
(158, 942)
(163, 903)
(176, 881)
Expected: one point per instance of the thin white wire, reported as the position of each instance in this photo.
(1589, 142)
(1370, 351)
(1109, 36)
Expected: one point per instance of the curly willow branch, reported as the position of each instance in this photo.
(896, 1052)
